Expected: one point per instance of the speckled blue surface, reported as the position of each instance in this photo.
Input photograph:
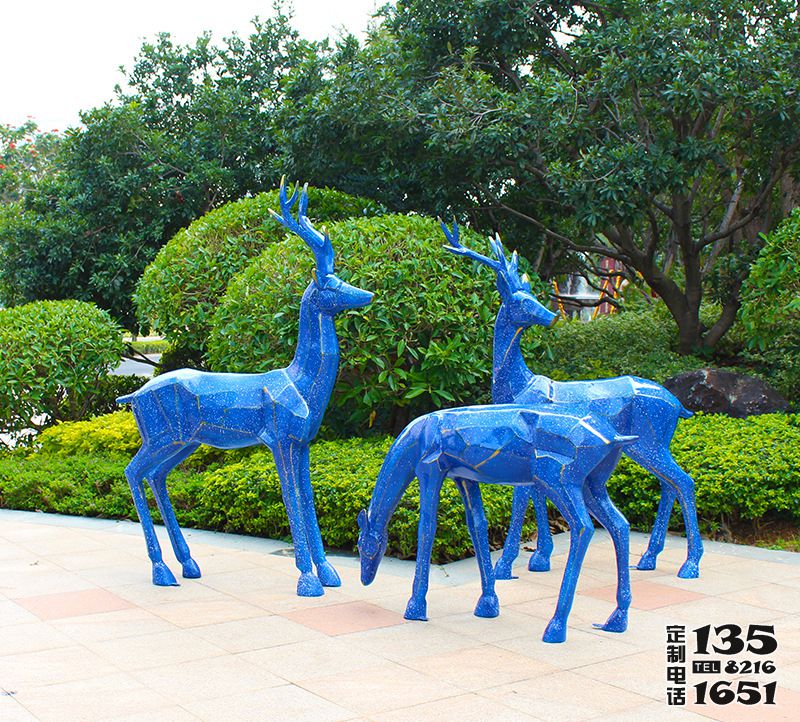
(561, 454)
(283, 409)
(631, 405)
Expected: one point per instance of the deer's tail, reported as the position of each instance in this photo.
(684, 413)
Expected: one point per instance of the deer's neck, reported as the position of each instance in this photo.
(316, 360)
(510, 373)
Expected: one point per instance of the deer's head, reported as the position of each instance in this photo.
(329, 292)
(522, 306)
(371, 548)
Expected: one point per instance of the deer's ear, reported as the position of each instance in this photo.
(363, 520)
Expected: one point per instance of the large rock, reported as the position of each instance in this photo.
(723, 392)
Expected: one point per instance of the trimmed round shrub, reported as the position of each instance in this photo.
(180, 289)
(54, 355)
(424, 342)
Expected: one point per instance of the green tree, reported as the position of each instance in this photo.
(192, 132)
(26, 155)
(657, 133)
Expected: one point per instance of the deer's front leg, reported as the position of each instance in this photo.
(325, 571)
(287, 460)
(430, 484)
(571, 505)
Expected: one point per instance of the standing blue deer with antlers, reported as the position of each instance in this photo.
(178, 411)
(631, 405)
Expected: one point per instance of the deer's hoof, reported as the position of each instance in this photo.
(555, 633)
(689, 570)
(539, 562)
(417, 610)
(502, 570)
(617, 622)
(488, 606)
(328, 575)
(162, 576)
(191, 570)
(647, 563)
(309, 585)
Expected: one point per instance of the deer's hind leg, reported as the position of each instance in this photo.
(675, 482)
(158, 483)
(325, 571)
(488, 605)
(519, 505)
(146, 461)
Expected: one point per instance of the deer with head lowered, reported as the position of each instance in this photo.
(631, 405)
(178, 411)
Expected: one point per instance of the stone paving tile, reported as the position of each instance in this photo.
(93, 698)
(198, 612)
(647, 595)
(564, 696)
(246, 635)
(73, 604)
(31, 637)
(379, 688)
(171, 713)
(46, 666)
(278, 704)
(12, 711)
(770, 596)
(313, 658)
(111, 625)
(12, 613)
(231, 646)
(335, 619)
(480, 667)
(199, 679)
(464, 708)
(409, 641)
(154, 650)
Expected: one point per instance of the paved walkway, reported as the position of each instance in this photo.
(85, 636)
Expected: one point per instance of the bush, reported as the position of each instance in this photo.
(54, 355)
(640, 343)
(179, 290)
(424, 342)
(745, 469)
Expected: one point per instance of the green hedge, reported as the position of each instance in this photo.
(179, 290)
(744, 469)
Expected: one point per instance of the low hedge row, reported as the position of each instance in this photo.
(744, 469)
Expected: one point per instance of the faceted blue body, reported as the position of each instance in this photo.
(283, 409)
(631, 405)
(566, 457)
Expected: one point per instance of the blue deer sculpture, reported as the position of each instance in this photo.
(567, 457)
(178, 411)
(631, 405)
